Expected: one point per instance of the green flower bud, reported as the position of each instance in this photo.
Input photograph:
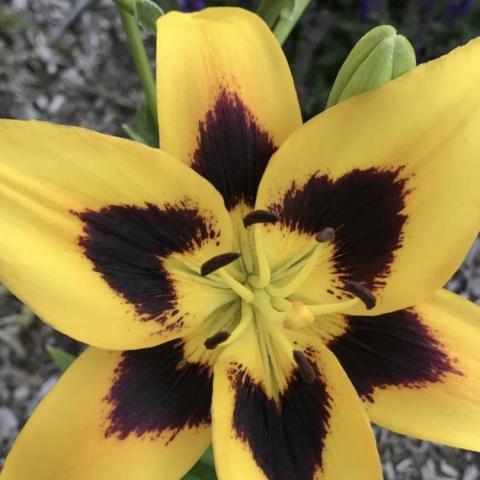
(379, 56)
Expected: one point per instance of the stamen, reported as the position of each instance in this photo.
(217, 262)
(245, 320)
(263, 278)
(215, 340)
(300, 277)
(259, 216)
(325, 235)
(329, 308)
(236, 286)
(306, 370)
(364, 294)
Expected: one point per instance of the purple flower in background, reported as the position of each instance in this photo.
(364, 8)
(191, 5)
(194, 5)
(248, 4)
(367, 7)
(457, 9)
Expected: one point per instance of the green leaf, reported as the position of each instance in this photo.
(208, 457)
(61, 358)
(204, 469)
(146, 13)
(269, 10)
(168, 5)
(143, 128)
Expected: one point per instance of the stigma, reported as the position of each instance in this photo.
(298, 316)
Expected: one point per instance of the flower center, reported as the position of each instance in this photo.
(268, 298)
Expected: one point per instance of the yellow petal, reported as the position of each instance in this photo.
(306, 431)
(140, 414)
(226, 98)
(395, 173)
(96, 233)
(418, 370)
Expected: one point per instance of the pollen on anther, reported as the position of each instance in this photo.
(259, 216)
(304, 366)
(325, 235)
(218, 262)
(362, 293)
(215, 340)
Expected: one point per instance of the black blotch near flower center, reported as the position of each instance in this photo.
(233, 150)
(388, 350)
(364, 207)
(126, 245)
(156, 391)
(286, 439)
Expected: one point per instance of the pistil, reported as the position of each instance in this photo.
(298, 316)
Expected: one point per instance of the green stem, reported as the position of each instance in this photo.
(128, 5)
(139, 55)
(269, 10)
(288, 20)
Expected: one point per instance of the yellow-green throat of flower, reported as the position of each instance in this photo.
(268, 297)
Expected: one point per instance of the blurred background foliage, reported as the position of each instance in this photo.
(329, 29)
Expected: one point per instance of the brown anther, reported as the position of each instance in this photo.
(259, 216)
(218, 262)
(304, 366)
(215, 340)
(325, 235)
(362, 293)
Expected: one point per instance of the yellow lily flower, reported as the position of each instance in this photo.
(255, 283)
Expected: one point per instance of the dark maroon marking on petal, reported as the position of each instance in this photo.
(126, 245)
(364, 207)
(390, 349)
(233, 150)
(286, 439)
(155, 390)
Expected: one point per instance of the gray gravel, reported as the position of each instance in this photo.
(85, 77)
